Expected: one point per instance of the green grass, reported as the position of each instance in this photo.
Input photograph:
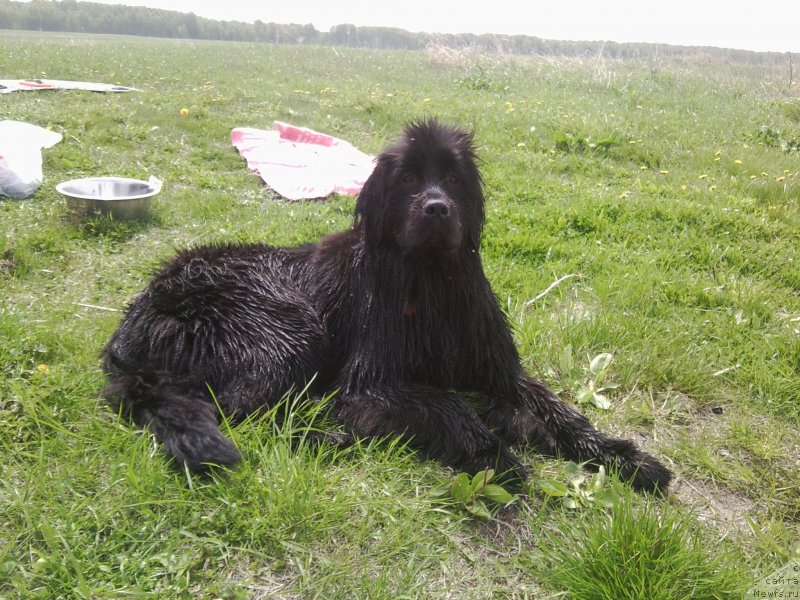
(669, 190)
(630, 552)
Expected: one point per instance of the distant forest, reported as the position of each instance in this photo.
(92, 17)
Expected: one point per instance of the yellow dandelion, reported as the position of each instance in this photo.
(632, 142)
(786, 171)
(638, 107)
(643, 167)
(763, 174)
(781, 178)
(664, 171)
(718, 152)
(623, 196)
(712, 188)
(703, 176)
(772, 207)
(426, 100)
(683, 188)
(717, 159)
(43, 369)
(521, 145)
(752, 177)
(184, 112)
(737, 162)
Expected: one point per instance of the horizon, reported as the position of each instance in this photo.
(769, 26)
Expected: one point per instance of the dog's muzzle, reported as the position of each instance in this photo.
(434, 224)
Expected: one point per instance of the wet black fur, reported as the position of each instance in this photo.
(395, 313)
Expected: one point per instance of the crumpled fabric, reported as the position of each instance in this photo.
(21, 85)
(21, 157)
(300, 163)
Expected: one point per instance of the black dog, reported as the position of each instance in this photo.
(395, 313)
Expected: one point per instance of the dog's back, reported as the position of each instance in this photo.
(228, 325)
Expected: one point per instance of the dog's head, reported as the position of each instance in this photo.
(424, 197)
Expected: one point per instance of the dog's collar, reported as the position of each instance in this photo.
(410, 309)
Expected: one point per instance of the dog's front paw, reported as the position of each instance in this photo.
(649, 475)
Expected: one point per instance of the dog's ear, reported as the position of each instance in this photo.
(370, 209)
(464, 142)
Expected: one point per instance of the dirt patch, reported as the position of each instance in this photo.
(718, 507)
(8, 262)
(267, 583)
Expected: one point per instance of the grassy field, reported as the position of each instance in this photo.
(666, 196)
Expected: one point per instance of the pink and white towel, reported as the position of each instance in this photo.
(20, 85)
(300, 163)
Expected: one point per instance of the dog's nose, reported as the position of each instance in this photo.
(436, 208)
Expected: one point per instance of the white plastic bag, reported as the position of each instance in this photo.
(21, 157)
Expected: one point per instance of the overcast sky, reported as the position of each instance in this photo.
(771, 25)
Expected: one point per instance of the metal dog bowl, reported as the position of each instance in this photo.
(119, 197)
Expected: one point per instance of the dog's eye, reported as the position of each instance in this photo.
(408, 178)
(453, 179)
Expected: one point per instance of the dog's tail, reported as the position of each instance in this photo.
(182, 418)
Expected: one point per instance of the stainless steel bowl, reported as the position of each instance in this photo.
(119, 197)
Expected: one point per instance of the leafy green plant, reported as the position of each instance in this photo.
(775, 138)
(790, 109)
(480, 78)
(475, 495)
(570, 142)
(581, 489)
(590, 385)
(594, 386)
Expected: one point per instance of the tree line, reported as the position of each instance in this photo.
(93, 17)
